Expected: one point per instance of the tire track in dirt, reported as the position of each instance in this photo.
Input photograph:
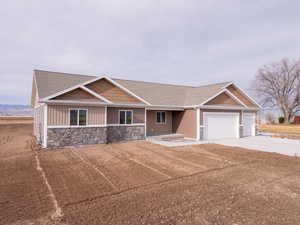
(150, 168)
(176, 158)
(95, 168)
(160, 163)
(159, 182)
(57, 209)
(123, 156)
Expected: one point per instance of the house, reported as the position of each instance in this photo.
(72, 109)
(296, 119)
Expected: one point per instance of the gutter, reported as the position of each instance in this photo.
(147, 107)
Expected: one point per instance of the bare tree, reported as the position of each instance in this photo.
(270, 118)
(278, 85)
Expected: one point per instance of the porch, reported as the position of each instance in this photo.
(171, 123)
(173, 140)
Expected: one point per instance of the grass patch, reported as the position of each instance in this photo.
(280, 128)
(15, 120)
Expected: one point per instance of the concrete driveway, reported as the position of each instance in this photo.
(264, 143)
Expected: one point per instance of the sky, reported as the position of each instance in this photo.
(194, 42)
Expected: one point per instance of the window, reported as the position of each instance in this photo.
(125, 117)
(78, 117)
(161, 117)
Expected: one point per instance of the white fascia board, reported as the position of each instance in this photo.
(93, 80)
(251, 99)
(241, 90)
(212, 97)
(73, 102)
(235, 98)
(126, 90)
(228, 93)
(165, 108)
(227, 85)
(227, 107)
(94, 94)
(61, 92)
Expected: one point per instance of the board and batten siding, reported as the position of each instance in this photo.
(113, 115)
(154, 128)
(58, 115)
(185, 122)
(111, 92)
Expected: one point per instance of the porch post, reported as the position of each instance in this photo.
(145, 122)
(198, 123)
(45, 126)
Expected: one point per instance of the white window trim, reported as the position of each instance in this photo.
(125, 110)
(87, 117)
(156, 117)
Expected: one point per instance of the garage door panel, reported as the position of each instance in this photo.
(249, 124)
(221, 125)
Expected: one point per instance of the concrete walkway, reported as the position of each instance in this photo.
(261, 143)
(173, 140)
(264, 143)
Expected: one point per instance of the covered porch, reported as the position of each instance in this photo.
(170, 123)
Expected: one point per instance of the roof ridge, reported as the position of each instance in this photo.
(151, 82)
(73, 74)
(228, 82)
(141, 81)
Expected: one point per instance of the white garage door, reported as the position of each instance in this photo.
(221, 125)
(249, 124)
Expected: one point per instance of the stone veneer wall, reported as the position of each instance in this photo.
(62, 137)
(201, 133)
(241, 131)
(125, 133)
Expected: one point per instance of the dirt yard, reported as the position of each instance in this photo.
(142, 183)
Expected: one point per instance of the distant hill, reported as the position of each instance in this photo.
(15, 110)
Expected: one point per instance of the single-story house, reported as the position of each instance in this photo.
(72, 109)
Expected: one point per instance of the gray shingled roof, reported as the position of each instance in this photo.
(49, 83)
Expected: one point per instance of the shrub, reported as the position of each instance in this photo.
(281, 119)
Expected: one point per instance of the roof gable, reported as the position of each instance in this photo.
(241, 96)
(111, 92)
(77, 95)
(224, 99)
(49, 83)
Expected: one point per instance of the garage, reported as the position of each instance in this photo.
(221, 125)
(249, 124)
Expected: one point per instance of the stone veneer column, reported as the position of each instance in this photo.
(241, 131)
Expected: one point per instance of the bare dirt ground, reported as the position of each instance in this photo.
(143, 183)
